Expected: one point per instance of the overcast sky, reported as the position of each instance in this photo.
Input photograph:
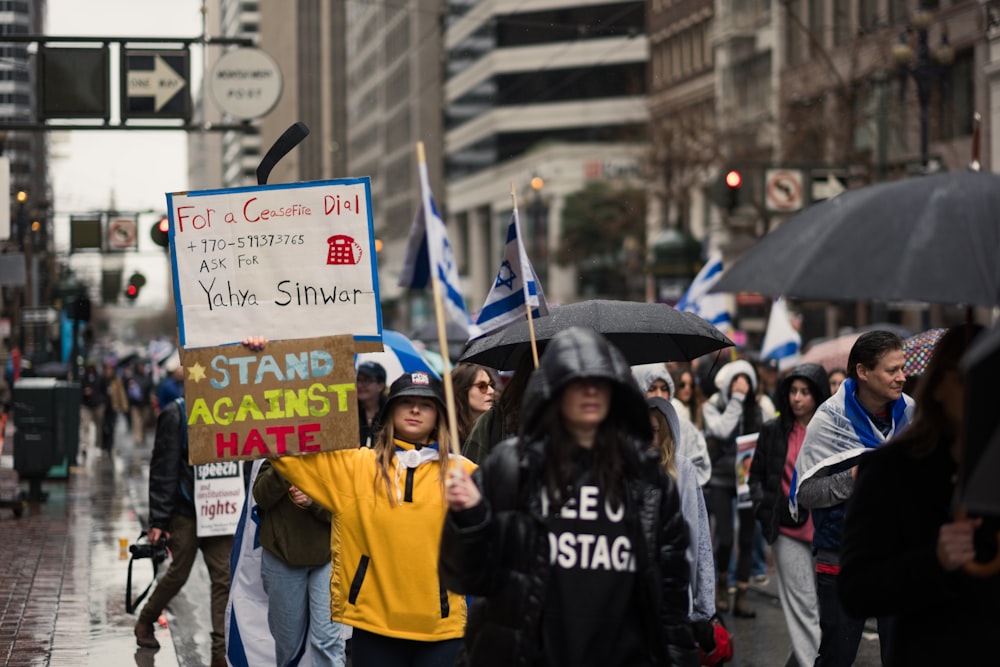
(92, 168)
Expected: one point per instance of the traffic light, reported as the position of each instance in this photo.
(161, 232)
(135, 283)
(727, 190)
(734, 185)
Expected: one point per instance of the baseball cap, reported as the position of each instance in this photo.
(414, 384)
(372, 369)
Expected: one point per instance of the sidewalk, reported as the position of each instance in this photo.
(63, 571)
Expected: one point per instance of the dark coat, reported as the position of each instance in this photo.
(171, 479)
(770, 502)
(501, 556)
(889, 563)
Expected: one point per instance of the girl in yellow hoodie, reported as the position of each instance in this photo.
(388, 509)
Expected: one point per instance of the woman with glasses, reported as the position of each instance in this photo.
(475, 390)
(688, 398)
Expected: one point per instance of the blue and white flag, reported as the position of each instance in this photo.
(516, 286)
(428, 247)
(712, 307)
(781, 341)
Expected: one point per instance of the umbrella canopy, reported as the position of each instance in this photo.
(932, 238)
(831, 353)
(918, 350)
(644, 332)
(399, 356)
(454, 332)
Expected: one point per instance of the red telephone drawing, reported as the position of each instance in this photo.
(343, 250)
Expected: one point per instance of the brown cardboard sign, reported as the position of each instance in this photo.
(294, 397)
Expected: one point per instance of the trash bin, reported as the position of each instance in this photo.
(47, 425)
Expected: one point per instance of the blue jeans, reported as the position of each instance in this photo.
(840, 633)
(298, 600)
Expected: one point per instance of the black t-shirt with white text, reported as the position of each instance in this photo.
(592, 610)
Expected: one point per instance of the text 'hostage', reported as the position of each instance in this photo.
(295, 397)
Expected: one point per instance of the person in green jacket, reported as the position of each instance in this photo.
(295, 571)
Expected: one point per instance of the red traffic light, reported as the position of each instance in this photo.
(734, 179)
(160, 232)
(131, 291)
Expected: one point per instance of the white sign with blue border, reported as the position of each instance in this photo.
(281, 261)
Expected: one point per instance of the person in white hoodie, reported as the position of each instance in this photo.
(733, 411)
(655, 381)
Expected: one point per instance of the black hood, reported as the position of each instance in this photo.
(819, 384)
(577, 353)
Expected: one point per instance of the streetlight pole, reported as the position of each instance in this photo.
(924, 66)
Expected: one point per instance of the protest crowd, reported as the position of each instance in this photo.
(571, 505)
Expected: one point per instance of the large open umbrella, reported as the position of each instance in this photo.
(934, 239)
(644, 332)
(399, 356)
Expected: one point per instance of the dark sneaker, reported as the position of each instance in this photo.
(144, 635)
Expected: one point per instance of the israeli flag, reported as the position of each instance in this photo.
(781, 341)
(711, 307)
(516, 286)
(427, 247)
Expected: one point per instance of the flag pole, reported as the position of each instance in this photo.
(524, 288)
(455, 447)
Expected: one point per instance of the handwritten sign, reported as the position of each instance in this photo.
(218, 498)
(281, 261)
(295, 397)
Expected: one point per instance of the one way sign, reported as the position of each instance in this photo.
(155, 84)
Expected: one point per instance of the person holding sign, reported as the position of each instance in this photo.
(388, 508)
(295, 571)
(571, 536)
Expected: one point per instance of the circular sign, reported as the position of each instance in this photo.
(246, 83)
(783, 190)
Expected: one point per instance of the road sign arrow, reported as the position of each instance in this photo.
(827, 188)
(162, 83)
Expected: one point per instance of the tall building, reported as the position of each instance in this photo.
(26, 150)
(394, 98)
(550, 89)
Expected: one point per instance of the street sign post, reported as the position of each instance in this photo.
(827, 187)
(43, 315)
(783, 190)
(155, 84)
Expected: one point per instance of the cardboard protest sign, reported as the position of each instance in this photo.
(294, 397)
(218, 498)
(279, 261)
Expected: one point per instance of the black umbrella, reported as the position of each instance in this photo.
(644, 332)
(932, 238)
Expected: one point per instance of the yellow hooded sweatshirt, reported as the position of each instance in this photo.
(384, 571)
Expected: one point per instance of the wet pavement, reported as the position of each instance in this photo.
(64, 565)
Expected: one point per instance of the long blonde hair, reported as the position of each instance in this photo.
(385, 450)
(663, 441)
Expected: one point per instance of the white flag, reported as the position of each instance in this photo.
(712, 307)
(516, 286)
(427, 247)
(781, 341)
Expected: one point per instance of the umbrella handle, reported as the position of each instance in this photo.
(975, 568)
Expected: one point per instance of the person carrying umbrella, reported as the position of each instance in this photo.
(868, 409)
(903, 551)
(571, 538)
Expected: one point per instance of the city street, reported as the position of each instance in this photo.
(116, 488)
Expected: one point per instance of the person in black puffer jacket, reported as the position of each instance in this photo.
(570, 536)
(798, 396)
